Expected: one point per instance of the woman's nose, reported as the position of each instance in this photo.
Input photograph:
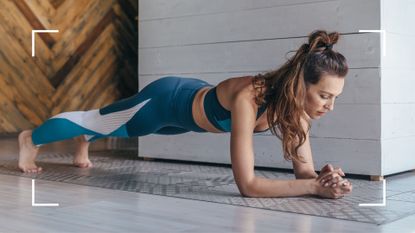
(329, 106)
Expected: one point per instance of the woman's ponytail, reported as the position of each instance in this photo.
(285, 88)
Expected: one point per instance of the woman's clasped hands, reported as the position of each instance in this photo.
(331, 184)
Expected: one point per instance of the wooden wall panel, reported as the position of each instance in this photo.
(341, 152)
(248, 56)
(90, 63)
(257, 23)
(219, 39)
(397, 84)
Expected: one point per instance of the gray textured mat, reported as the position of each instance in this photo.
(122, 171)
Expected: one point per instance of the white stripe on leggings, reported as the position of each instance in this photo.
(102, 124)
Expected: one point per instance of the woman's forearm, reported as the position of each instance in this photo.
(306, 175)
(263, 187)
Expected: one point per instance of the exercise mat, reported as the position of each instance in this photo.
(124, 171)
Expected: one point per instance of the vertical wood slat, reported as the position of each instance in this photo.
(75, 69)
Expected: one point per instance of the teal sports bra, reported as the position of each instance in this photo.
(218, 115)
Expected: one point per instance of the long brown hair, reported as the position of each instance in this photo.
(285, 88)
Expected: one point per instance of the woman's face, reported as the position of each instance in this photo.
(320, 97)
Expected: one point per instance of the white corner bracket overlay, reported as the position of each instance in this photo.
(383, 38)
(38, 204)
(378, 204)
(33, 37)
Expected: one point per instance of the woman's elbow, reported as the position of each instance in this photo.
(247, 190)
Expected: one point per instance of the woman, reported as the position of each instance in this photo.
(284, 101)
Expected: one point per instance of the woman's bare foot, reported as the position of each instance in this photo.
(81, 155)
(27, 153)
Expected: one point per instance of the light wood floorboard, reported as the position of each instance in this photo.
(90, 209)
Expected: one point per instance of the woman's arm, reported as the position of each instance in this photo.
(242, 157)
(328, 174)
(305, 170)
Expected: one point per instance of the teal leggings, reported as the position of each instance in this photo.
(162, 107)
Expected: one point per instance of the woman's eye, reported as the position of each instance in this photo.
(324, 97)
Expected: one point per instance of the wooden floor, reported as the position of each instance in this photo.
(90, 209)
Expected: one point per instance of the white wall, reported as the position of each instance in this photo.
(398, 81)
(217, 39)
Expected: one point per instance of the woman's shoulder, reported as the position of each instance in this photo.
(240, 89)
(234, 88)
(237, 85)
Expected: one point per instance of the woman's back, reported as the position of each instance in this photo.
(226, 92)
